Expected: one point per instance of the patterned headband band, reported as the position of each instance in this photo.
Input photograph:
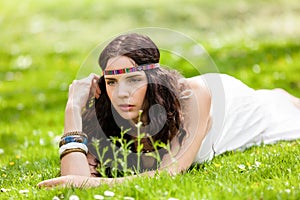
(132, 69)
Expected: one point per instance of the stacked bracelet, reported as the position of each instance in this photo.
(73, 145)
(73, 142)
(72, 138)
(67, 151)
(75, 133)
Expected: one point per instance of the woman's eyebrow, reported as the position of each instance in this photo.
(132, 76)
(127, 77)
(110, 79)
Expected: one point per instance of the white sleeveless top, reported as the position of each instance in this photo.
(243, 117)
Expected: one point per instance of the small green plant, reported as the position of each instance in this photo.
(115, 160)
(125, 150)
(155, 154)
(139, 138)
(101, 168)
(120, 155)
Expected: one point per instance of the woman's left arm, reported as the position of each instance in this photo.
(197, 123)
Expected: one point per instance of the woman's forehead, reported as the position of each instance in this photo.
(119, 62)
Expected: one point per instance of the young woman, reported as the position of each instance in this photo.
(195, 118)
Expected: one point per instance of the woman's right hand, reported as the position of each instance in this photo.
(81, 90)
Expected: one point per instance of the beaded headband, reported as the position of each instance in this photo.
(132, 69)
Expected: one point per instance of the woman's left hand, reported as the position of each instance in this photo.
(70, 181)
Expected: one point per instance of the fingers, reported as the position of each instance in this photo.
(97, 90)
(50, 183)
(64, 181)
(94, 88)
(88, 79)
(93, 76)
(90, 83)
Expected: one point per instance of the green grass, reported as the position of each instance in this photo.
(44, 43)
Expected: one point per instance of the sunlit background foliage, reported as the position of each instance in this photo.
(44, 43)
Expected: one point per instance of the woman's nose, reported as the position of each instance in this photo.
(123, 90)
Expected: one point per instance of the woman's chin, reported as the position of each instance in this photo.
(128, 115)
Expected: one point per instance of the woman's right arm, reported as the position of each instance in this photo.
(76, 163)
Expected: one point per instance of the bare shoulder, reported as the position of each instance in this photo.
(196, 122)
(198, 106)
(197, 82)
(201, 93)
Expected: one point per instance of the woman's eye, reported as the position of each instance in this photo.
(111, 83)
(134, 80)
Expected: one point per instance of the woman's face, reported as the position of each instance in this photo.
(126, 91)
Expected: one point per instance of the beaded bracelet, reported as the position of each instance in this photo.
(73, 145)
(74, 141)
(71, 151)
(73, 138)
(80, 133)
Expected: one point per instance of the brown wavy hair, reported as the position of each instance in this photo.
(163, 89)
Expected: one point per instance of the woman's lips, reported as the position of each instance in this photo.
(126, 107)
